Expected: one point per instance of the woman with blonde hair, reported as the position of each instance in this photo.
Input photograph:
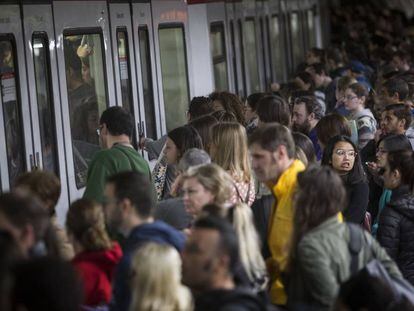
(241, 217)
(156, 284)
(96, 255)
(205, 184)
(229, 150)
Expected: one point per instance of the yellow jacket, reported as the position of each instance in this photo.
(280, 227)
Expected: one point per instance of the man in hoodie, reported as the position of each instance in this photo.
(396, 119)
(129, 202)
(210, 263)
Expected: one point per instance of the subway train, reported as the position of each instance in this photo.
(63, 62)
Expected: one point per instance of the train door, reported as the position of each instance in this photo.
(235, 51)
(171, 35)
(16, 145)
(86, 81)
(45, 109)
(220, 46)
(199, 49)
(240, 33)
(264, 55)
(149, 108)
(124, 64)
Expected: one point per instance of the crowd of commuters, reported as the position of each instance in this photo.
(296, 199)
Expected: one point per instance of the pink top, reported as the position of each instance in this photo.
(243, 192)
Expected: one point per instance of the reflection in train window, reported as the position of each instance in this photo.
(174, 75)
(86, 83)
(233, 56)
(276, 49)
(311, 28)
(218, 52)
(296, 39)
(44, 93)
(123, 62)
(240, 26)
(11, 108)
(147, 87)
(251, 46)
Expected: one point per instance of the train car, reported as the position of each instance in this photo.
(64, 62)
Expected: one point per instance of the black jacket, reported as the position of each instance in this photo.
(396, 230)
(357, 195)
(229, 300)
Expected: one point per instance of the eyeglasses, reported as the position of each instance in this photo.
(350, 97)
(349, 153)
(98, 130)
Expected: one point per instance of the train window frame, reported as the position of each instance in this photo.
(276, 19)
(221, 58)
(149, 73)
(252, 20)
(117, 32)
(243, 63)
(12, 40)
(311, 34)
(82, 32)
(49, 85)
(180, 26)
(234, 58)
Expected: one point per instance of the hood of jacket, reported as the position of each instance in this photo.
(403, 202)
(237, 299)
(158, 232)
(105, 260)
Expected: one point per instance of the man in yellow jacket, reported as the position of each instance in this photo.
(273, 160)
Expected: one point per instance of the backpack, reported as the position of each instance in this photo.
(400, 287)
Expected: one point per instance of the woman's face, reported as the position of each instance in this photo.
(195, 196)
(392, 179)
(171, 152)
(382, 155)
(249, 114)
(343, 157)
(351, 101)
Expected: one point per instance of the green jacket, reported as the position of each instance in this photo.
(108, 162)
(323, 263)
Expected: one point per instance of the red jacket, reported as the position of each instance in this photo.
(96, 269)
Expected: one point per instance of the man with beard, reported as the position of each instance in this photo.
(128, 205)
(306, 114)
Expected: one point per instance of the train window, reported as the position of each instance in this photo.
(296, 38)
(218, 52)
(86, 83)
(233, 47)
(311, 28)
(11, 108)
(44, 98)
(174, 75)
(263, 56)
(123, 62)
(251, 46)
(239, 22)
(276, 48)
(144, 49)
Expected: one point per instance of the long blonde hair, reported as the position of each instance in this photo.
(231, 151)
(156, 284)
(214, 179)
(241, 217)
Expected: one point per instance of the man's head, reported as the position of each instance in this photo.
(129, 200)
(273, 109)
(394, 91)
(400, 60)
(25, 218)
(211, 255)
(395, 119)
(115, 122)
(272, 148)
(315, 55)
(45, 185)
(306, 114)
(199, 106)
(318, 73)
